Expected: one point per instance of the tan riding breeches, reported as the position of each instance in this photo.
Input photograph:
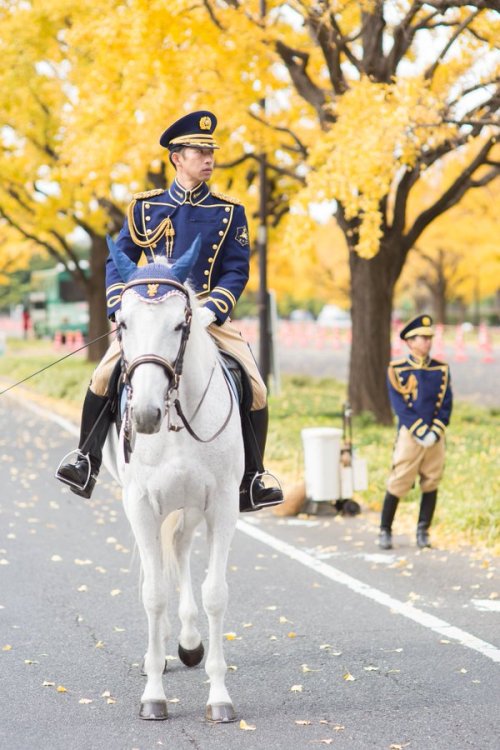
(227, 337)
(411, 460)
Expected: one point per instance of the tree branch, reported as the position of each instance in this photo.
(296, 63)
(466, 22)
(451, 196)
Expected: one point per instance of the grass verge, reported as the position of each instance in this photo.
(468, 510)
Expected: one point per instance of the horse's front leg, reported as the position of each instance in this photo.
(191, 649)
(146, 525)
(215, 596)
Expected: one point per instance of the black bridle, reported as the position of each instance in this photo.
(173, 371)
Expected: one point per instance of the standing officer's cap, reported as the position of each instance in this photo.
(419, 326)
(195, 129)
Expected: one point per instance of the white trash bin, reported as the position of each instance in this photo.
(322, 463)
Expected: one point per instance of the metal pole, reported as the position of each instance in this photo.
(264, 317)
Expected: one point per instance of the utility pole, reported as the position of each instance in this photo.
(264, 312)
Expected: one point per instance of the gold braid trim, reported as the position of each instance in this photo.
(408, 389)
(151, 238)
(226, 198)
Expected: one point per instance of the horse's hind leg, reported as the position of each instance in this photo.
(146, 527)
(215, 596)
(191, 649)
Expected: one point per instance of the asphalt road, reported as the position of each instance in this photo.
(335, 643)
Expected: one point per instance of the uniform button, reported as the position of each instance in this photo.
(148, 218)
(214, 247)
(206, 273)
(154, 245)
(146, 205)
(210, 260)
(205, 286)
(224, 221)
(148, 231)
(221, 234)
(227, 209)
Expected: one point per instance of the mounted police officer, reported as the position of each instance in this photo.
(164, 223)
(421, 396)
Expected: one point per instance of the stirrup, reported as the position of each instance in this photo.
(258, 478)
(80, 457)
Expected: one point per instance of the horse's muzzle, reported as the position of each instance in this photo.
(147, 420)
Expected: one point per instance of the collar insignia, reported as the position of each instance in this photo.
(152, 289)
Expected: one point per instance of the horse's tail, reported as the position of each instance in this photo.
(171, 527)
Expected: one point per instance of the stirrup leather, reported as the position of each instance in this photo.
(258, 477)
(80, 457)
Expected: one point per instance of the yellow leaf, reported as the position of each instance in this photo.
(246, 727)
(291, 634)
(61, 689)
(230, 636)
(115, 592)
(99, 644)
(348, 677)
(7, 648)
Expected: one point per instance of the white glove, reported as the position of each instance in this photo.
(429, 439)
(206, 316)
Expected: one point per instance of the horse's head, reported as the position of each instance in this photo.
(154, 324)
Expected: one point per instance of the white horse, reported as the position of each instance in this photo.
(182, 439)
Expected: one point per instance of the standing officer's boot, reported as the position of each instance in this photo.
(388, 513)
(254, 495)
(81, 475)
(427, 507)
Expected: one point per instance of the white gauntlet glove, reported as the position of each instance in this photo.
(429, 439)
(206, 316)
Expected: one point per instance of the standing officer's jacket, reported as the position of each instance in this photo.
(164, 223)
(420, 394)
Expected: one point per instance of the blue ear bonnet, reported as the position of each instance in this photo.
(153, 289)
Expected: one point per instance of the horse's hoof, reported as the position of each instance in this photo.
(143, 669)
(154, 710)
(191, 657)
(220, 713)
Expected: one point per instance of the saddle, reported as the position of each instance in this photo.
(236, 375)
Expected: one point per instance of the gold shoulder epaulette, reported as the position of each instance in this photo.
(226, 198)
(147, 194)
(395, 362)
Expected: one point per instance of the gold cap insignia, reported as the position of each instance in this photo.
(426, 321)
(205, 123)
(152, 289)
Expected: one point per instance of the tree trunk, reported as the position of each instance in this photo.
(98, 320)
(372, 289)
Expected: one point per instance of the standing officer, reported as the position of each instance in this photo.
(164, 223)
(421, 397)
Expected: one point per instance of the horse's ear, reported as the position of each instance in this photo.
(184, 264)
(124, 265)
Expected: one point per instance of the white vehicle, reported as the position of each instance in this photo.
(334, 316)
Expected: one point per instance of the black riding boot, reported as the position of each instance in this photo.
(388, 513)
(253, 493)
(81, 475)
(427, 507)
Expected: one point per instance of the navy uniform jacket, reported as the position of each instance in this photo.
(420, 394)
(164, 223)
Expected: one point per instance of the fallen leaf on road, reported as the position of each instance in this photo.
(83, 588)
(284, 619)
(291, 634)
(305, 669)
(48, 684)
(56, 558)
(371, 668)
(296, 689)
(115, 592)
(398, 747)
(348, 677)
(246, 727)
(303, 722)
(7, 647)
(85, 701)
(99, 644)
(61, 689)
